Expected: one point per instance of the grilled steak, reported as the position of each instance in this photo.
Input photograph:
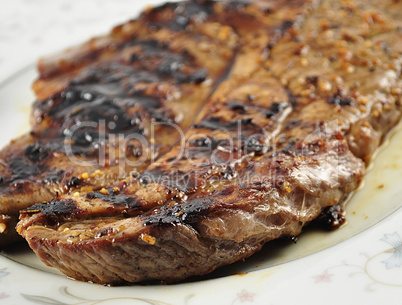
(276, 144)
(112, 105)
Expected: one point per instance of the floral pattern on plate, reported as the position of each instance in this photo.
(379, 268)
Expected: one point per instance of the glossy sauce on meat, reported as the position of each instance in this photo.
(283, 139)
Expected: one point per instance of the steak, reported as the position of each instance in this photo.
(287, 135)
(111, 106)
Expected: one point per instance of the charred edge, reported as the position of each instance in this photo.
(153, 48)
(289, 238)
(85, 100)
(338, 100)
(103, 109)
(238, 107)
(75, 182)
(21, 170)
(170, 69)
(54, 207)
(331, 217)
(129, 202)
(286, 25)
(36, 152)
(54, 177)
(92, 95)
(275, 109)
(186, 213)
(195, 78)
(313, 79)
(182, 14)
(104, 232)
(171, 62)
(83, 103)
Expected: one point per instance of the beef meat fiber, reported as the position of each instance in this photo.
(113, 105)
(312, 90)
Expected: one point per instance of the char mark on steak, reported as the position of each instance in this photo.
(244, 177)
(113, 105)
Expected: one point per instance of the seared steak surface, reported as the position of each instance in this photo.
(313, 88)
(113, 105)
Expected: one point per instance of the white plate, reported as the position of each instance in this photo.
(365, 254)
(362, 259)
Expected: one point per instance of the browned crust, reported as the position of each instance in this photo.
(308, 158)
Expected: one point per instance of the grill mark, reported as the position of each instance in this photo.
(21, 169)
(75, 182)
(211, 123)
(103, 92)
(36, 152)
(251, 140)
(242, 107)
(286, 25)
(177, 16)
(338, 100)
(151, 53)
(203, 147)
(275, 108)
(88, 93)
(54, 207)
(55, 177)
(129, 202)
(177, 215)
(238, 107)
(84, 104)
(117, 79)
(185, 213)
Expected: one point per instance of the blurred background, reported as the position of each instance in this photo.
(33, 28)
